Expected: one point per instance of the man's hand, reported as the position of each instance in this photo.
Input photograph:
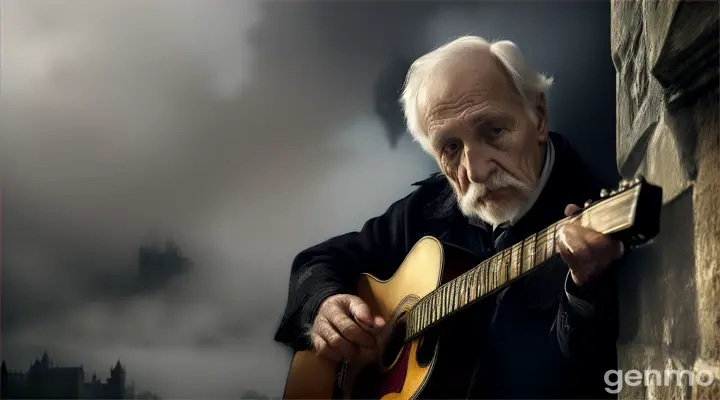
(342, 326)
(587, 252)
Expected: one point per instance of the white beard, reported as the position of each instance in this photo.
(491, 212)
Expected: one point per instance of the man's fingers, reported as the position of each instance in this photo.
(572, 209)
(361, 312)
(585, 251)
(335, 340)
(352, 331)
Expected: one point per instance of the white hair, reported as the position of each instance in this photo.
(494, 213)
(527, 82)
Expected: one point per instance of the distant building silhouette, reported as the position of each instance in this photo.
(47, 381)
(159, 264)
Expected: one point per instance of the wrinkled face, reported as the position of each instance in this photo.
(483, 137)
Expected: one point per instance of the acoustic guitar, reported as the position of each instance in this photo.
(436, 282)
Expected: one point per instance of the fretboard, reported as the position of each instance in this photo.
(514, 262)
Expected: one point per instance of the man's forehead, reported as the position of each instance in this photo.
(485, 89)
(455, 74)
(438, 128)
(450, 81)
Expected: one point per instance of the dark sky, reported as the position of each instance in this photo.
(243, 129)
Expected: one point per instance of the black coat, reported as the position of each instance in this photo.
(534, 344)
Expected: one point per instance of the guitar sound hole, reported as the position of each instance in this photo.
(426, 350)
(394, 344)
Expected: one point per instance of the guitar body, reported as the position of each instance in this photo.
(423, 367)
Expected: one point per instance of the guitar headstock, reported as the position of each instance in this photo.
(630, 212)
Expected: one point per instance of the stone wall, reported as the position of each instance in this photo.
(666, 58)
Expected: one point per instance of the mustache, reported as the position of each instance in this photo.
(498, 180)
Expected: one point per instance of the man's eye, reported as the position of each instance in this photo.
(497, 131)
(451, 148)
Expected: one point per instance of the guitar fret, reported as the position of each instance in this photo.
(424, 314)
(490, 278)
(552, 242)
(418, 323)
(419, 312)
(433, 308)
(491, 287)
(412, 318)
(420, 320)
(506, 266)
(448, 299)
(425, 318)
(532, 251)
(438, 312)
(486, 277)
(501, 269)
(444, 308)
(455, 296)
(438, 308)
(469, 288)
(488, 288)
(540, 247)
(508, 258)
(453, 292)
(483, 279)
(461, 292)
(441, 303)
(517, 259)
(473, 287)
(496, 270)
(476, 283)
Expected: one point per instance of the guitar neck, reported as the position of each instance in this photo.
(609, 216)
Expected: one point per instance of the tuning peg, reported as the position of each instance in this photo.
(613, 192)
(587, 203)
(624, 184)
(604, 193)
(636, 181)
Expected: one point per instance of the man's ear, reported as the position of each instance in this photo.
(541, 115)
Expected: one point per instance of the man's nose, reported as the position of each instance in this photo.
(478, 164)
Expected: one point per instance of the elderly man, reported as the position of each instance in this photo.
(480, 111)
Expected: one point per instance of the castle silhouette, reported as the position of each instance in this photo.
(46, 381)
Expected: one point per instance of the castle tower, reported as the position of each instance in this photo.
(45, 362)
(116, 382)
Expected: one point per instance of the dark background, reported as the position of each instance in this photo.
(245, 131)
